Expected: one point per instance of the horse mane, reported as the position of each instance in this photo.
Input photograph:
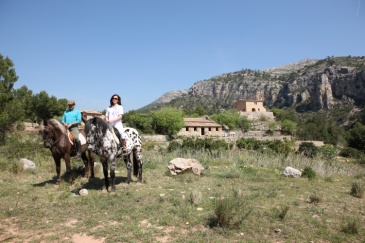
(55, 123)
(97, 121)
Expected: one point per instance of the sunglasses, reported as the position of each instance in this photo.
(115, 98)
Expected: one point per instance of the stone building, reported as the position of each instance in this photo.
(87, 114)
(201, 126)
(252, 109)
(242, 105)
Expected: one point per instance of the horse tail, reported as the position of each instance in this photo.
(135, 164)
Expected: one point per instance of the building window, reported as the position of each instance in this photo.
(195, 129)
(187, 129)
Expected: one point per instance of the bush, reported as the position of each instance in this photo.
(207, 144)
(308, 149)
(351, 153)
(327, 151)
(351, 228)
(173, 146)
(229, 213)
(309, 173)
(357, 189)
(281, 212)
(249, 144)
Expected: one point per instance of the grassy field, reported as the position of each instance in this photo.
(241, 197)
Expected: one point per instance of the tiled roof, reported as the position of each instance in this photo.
(91, 112)
(200, 122)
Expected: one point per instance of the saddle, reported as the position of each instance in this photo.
(71, 137)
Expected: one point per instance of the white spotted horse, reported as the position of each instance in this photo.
(102, 140)
(55, 137)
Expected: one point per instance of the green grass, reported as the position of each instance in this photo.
(241, 197)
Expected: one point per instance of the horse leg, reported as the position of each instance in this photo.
(58, 169)
(128, 164)
(104, 162)
(86, 164)
(112, 173)
(137, 159)
(91, 161)
(68, 168)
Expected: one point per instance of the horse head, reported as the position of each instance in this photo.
(46, 133)
(93, 131)
(51, 131)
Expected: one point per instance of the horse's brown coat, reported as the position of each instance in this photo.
(55, 138)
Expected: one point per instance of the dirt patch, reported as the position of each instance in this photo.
(81, 238)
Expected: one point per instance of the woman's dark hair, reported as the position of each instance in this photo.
(111, 100)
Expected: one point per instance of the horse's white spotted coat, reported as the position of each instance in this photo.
(106, 147)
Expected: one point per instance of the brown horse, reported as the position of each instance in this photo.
(55, 138)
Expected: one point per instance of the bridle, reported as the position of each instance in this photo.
(52, 143)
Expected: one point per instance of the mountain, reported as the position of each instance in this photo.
(307, 85)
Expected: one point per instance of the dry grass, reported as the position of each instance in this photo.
(242, 197)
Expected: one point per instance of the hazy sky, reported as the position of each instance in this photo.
(87, 50)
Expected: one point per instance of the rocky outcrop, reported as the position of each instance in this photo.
(307, 85)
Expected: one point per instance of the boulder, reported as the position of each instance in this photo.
(27, 164)
(289, 171)
(180, 165)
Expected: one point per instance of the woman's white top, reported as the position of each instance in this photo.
(112, 113)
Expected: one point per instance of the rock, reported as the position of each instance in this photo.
(289, 171)
(27, 164)
(83, 192)
(180, 165)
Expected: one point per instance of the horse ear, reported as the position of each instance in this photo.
(41, 127)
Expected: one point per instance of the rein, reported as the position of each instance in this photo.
(53, 143)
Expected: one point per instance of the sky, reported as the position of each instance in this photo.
(88, 50)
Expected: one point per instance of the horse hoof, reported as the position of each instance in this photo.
(139, 183)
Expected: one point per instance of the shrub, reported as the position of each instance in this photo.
(229, 212)
(327, 151)
(309, 173)
(195, 198)
(249, 143)
(149, 145)
(308, 149)
(314, 199)
(350, 153)
(173, 146)
(280, 213)
(357, 189)
(351, 228)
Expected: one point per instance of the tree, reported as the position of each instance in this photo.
(45, 107)
(288, 127)
(24, 95)
(232, 120)
(168, 121)
(357, 137)
(200, 111)
(319, 127)
(140, 121)
(7, 100)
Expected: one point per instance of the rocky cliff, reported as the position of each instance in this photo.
(306, 85)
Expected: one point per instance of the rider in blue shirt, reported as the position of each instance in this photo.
(71, 120)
